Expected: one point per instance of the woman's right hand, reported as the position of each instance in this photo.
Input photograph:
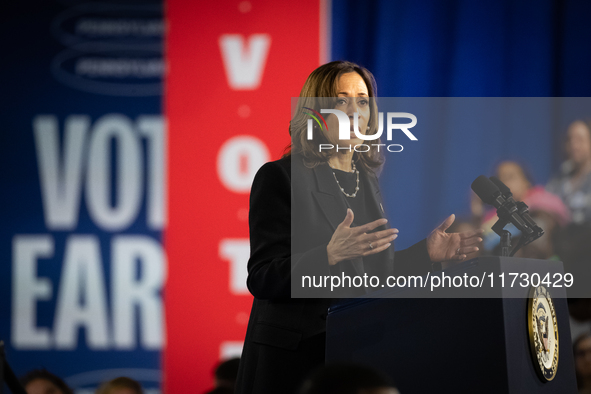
(351, 242)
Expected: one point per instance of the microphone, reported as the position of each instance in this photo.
(487, 191)
(522, 207)
(506, 209)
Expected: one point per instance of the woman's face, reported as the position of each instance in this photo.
(583, 358)
(353, 96)
(578, 143)
(511, 174)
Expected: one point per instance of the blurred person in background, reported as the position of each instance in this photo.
(347, 379)
(543, 248)
(579, 310)
(120, 385)
(573, 183)
(582, 352)
(41, 381)
(549, 207)
(224, 376)
(574, 249)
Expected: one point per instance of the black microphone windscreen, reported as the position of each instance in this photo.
(502, 187)
(485, 189)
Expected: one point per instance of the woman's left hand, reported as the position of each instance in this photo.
(451, 247)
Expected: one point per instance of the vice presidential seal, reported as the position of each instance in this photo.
(543, 332)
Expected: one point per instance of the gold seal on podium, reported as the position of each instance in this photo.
(543, 332)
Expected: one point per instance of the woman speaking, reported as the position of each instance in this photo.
(319, 213)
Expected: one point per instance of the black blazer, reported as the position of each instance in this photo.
(285, 336)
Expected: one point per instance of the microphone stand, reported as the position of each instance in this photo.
(499, 228)
(494, 192)
(505, 243)
(520, 243)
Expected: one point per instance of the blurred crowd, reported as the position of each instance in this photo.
(562, 208)
(41, 381)
(329, 379)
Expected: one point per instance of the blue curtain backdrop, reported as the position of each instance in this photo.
(464, 48)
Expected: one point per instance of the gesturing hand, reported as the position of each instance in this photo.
(446, 247)
(350, 242)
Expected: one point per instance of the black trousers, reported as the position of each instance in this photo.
(270, 374)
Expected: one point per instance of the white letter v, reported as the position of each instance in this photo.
(244, 66)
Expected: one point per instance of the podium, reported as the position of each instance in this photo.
(454, 345)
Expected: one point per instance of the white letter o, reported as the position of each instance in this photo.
(238, 161)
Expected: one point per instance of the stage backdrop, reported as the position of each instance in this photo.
(83, 152)
(465, 48)
(233, 67)
(83, 189)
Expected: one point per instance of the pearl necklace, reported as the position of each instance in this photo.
(353, 195)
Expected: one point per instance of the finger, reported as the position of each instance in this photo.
(370, 245)
(458, 257)
(447, 222)
(386, 240)
(464, 253)
(377, 249)
(348, 219)
(379, 235)
(472, 233)
(470, 241)
(380, 241)
(370, 226)
(469, 250)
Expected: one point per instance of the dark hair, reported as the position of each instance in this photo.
(44, 374)
(576, 343)
(227, 371)
(525, 170)
(585, 122)
(120, 382)
(343, 379)
(322, 83)
(580, 339)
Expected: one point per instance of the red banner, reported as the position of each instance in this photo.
(232, 69)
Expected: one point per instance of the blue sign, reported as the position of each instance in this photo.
(83, 190)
